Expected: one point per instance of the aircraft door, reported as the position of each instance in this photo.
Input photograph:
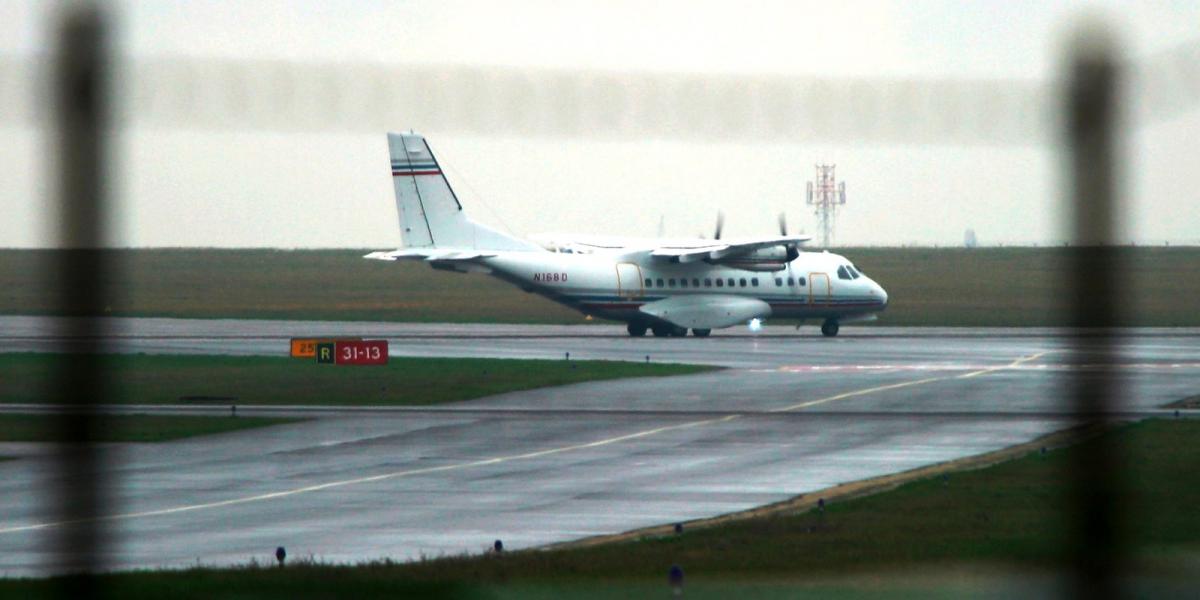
(629, 280)
(819, 288)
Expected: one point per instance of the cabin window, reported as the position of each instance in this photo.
(683, 282)
(720, 283)
(695, 282)
(660, 282)
(791, 282)
(802, 282)
(754, 281)
(730, 282)
(742, 281)
(842, 274)
(649, 283)
(707, 282)
(671, 282)
(778, 281)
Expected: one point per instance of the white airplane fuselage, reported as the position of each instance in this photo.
(609, 287)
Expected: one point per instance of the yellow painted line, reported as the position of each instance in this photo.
(854, 393)
(1011, 365)
(1016, 363)
(492, 461)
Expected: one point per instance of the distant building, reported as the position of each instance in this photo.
(969, 239)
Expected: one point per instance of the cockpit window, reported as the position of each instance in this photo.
(842, 274)
(853, 274)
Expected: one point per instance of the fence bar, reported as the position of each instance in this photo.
(1090, 114)
(81, 92)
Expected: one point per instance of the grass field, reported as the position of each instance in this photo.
(1005, 525)
(164, 379)
(132, 428)
(927, 286)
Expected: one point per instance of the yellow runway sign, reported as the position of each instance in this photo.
(307, 347)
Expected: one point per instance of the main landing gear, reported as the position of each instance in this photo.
(663, 330)
(668, 330)
(829, 328)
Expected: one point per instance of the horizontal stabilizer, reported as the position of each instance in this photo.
(430, 254)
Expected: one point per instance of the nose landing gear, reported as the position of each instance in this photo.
(636, 329)
(829, 328)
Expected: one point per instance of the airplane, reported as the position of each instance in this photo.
(663, 287)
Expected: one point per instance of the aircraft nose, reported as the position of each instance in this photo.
(882, 293)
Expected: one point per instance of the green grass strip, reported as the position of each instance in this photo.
(165, 379)
(1015, 287)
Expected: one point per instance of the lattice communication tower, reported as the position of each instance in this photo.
(825, 194)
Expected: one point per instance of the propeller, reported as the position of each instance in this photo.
(783, 224)
(720, 225)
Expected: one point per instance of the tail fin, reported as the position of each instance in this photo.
(430, 214)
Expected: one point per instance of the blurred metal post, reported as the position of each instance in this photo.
(1090, 114)
(81, 110)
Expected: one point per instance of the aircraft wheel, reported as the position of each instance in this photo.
(701, 332)
(636, 329)
(829, 328)
(661, 330)
(678, 331)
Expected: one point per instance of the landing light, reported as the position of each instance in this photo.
(755, 325)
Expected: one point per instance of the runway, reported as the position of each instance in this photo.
(792, 414)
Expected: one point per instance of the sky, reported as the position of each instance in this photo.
(197, 186)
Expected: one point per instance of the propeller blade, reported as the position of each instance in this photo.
(783, 224)
(720, 225)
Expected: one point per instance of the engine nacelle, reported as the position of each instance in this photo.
(774, 258)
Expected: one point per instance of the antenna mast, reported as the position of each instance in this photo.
(825, 194)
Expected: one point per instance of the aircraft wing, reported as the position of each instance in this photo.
(722, 249)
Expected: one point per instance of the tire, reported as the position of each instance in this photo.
(678, 331)
(701, 332)
(636, 329)
(829, 328)
(661, 330)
